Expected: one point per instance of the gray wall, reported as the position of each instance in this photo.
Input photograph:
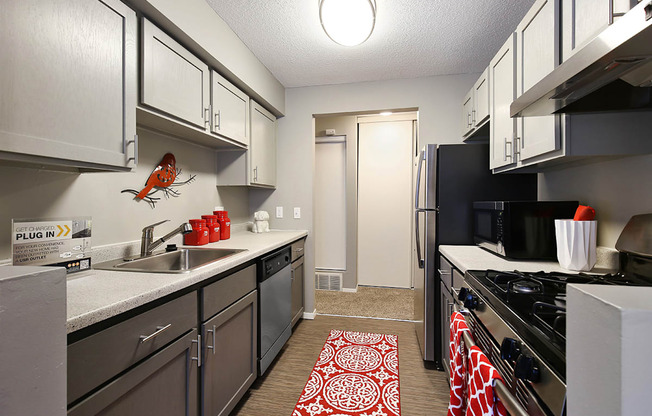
(617, 189)
(438, 100)
(32, 193)
(347, 125)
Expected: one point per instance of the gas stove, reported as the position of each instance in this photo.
(519, 318)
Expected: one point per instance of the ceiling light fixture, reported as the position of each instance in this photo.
(348, 22)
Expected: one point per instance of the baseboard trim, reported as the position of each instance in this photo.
(348, 290)
(310, 315)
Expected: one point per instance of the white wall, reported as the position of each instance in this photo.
(438, 100)
(617, 189)
(32, 193)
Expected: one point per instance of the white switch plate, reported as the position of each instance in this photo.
(297, 213)
(279, 212)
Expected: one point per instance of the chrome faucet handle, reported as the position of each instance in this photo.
(151, 227)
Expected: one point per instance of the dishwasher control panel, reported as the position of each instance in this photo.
(274, 262)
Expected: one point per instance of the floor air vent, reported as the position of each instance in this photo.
(328, 281)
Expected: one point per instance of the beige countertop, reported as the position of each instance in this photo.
(96, 295)
(475, 258)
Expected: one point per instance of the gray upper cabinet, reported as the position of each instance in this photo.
(502, 83)
(68, 83)
(263, 146)
(475, 106)
(537, 55)
(585, 19)
(174, 80)
(230, 108)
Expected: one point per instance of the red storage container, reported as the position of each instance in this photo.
(199, 234)
(213, 228)
(225, 224)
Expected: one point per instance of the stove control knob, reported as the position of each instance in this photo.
(471, 302)
(462, 294)
(510, 349)
(526, 368)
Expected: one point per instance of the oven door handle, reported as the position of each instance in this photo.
(508, 400)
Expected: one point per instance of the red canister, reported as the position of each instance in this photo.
(199, 234)
(213, 228)
(225, 224)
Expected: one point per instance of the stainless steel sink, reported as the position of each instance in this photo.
(180, 261)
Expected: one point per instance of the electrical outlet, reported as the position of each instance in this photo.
(279, 212)
(297, 213)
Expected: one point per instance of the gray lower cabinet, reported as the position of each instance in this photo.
(446, 312)
(230, 333)
(297, 290)
(163, 384)
(229, 368)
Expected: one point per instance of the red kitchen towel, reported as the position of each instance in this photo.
(482, 400)
(457, 401)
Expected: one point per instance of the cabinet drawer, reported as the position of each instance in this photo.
(458, 279)
(445, 271)
(223, 293)
(97, 358)
(297, 249)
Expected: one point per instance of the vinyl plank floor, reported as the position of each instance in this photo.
(424, 392)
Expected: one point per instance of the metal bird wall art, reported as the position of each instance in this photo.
(164, 178)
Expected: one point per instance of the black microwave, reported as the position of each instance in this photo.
(520, 229)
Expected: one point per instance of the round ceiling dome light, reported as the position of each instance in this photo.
(348, 22)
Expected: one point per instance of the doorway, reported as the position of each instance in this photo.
(385, 202)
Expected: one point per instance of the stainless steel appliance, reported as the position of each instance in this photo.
(520, 229)
(449, 179)
(274, 306)
(611, 72)
(519, 319)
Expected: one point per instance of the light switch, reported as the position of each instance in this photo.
(297, 213)
(279, 212)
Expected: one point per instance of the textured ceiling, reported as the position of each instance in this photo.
(411, 39)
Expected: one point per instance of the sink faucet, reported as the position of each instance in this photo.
(147, 243)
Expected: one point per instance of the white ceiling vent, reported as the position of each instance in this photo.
(328, 281)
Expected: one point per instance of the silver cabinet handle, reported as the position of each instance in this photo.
(211, 347)
(299, 250)
(473, 116)
(126, 143)
(255, 173)
(507, 155)
(218, 120)
(443, 272)
(517, 148)
(207, 115)
(159, 331)
(198, 357)
(468, 120)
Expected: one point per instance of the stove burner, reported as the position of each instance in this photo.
(525, 286)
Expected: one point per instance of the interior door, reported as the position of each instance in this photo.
(385, 203)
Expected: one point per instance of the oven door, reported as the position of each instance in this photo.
(487, 226)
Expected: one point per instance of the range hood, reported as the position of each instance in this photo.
(612, 72)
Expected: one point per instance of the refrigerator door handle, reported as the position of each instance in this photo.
(422, 158)
(420, 260)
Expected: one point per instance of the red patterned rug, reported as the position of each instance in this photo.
(356, 375)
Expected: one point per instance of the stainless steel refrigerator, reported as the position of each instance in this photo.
(449, 179)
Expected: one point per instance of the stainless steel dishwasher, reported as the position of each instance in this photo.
(274, 306)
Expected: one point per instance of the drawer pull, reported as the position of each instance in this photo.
(159, 331)
(198, 357)
(443, 272)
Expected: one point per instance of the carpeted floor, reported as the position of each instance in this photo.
(375, 302)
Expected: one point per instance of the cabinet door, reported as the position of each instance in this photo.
(502, 85)
(174, 80)
(297, 290)
(537, 55)
(585, 19)
(263, 146)
(481, 99)
(163, 384)
(230, 110)
(229, 367)
(467, 117)
(68, 82)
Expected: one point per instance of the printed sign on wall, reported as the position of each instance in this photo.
(64, 242)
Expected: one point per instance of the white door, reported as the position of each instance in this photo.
(385, 203)
(330, 203)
